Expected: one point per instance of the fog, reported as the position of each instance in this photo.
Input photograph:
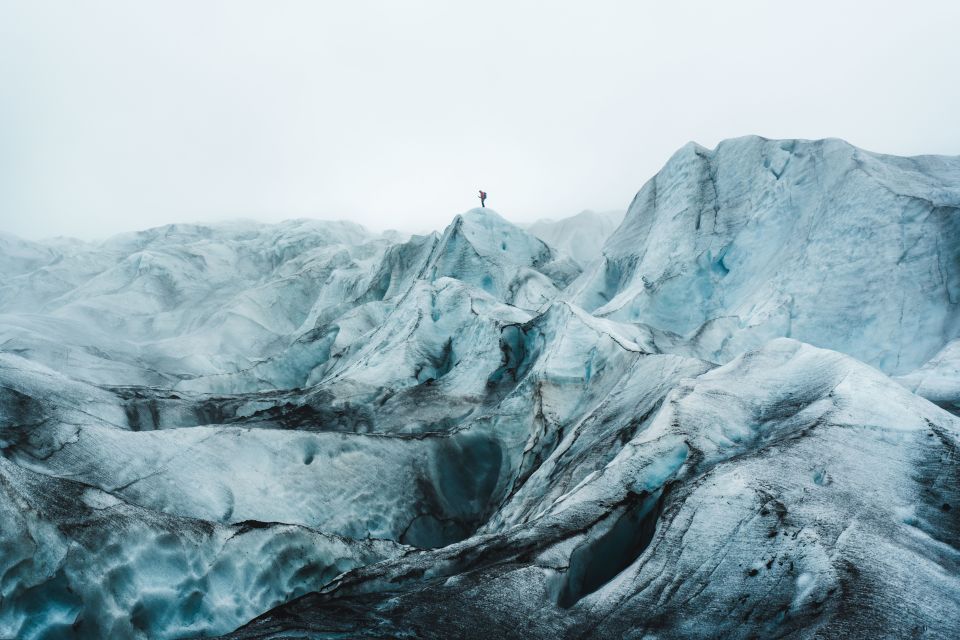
(117, 115)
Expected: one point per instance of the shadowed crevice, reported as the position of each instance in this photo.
(598, 560)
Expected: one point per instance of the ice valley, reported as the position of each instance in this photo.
(737, 418)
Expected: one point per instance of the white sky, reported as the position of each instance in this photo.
(122, 115)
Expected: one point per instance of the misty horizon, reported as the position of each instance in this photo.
(438, 226)
(126, 116)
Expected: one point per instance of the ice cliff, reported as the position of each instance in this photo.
(818, 241)
(734, 420)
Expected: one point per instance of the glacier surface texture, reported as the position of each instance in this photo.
(733, 415)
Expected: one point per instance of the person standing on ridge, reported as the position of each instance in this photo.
(483, 198)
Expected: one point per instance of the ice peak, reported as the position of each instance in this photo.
(485, 216)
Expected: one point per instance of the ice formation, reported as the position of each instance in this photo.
(581, 236)
(736, 420)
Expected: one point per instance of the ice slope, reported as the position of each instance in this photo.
(18, 256)
(81, 562)
(581, 236)
(181, 301)
(938, 380)
(463, 435)
(819, 241)
(751, 502)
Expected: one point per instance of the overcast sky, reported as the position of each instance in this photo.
(123, 115)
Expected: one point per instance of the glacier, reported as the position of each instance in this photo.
(735, 414)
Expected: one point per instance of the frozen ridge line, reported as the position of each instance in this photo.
(734, 420)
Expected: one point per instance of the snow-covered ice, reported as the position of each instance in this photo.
(730, 416)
